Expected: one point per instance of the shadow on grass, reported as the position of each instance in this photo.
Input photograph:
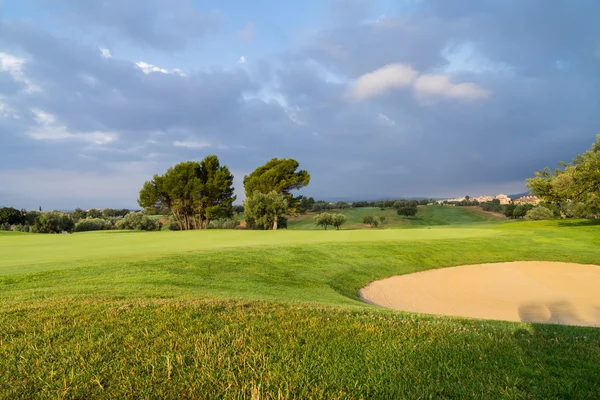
(579, 223)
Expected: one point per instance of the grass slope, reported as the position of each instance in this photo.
(228, 314)
(426, 216)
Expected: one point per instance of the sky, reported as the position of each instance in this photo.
(375, 99)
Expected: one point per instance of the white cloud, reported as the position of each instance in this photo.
(149, 68)
(191, 144)
(382, 80)
(14, 66)
(49, 129)
(395, 76)
(105, 53)
(242, 60)
(440, 85)
(385, 120)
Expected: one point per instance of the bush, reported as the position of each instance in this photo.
(138, 221)
(172, 224)
(21, 228)
(53, 222)
(371, 220)
(539, 213)
(224, 223)
(4, 227)
(93, 224)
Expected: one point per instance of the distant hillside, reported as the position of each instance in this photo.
(427, 216)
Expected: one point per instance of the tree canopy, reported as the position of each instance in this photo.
(278, 175)
(194, 192)
(265, 210)
(577, 181)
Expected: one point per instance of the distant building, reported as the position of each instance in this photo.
(528, 200)
(504, 199)
(484, 199)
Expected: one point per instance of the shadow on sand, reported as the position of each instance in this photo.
(555, 312)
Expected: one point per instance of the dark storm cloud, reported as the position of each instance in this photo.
(104, 121)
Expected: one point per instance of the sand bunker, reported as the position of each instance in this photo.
(548, 292)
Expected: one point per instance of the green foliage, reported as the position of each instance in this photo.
(195, 193)
(305, 204)
(93, 224)
(224, 223)
(407, 208)
(539, 213)
(279, 176)
(338, 220)
(521, 210)
(577, 181)
(509, 210)
(323, 219)
(53, 222)
(371, 220)
(138, 221)
(11, 216)
(264, 210)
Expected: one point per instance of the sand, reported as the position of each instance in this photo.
(546, 292)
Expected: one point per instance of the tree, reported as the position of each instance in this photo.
(265, 209)
(370, 220)
(94, 213)
(215, 193)
(324, 219)
(338, 220)
(406, 208)
(509, 210)
(194, 192)
(279, 176)
(11, 216)
(577, 181)
(54, 222)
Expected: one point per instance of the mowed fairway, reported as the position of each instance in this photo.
(246, 314)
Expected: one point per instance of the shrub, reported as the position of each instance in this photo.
(138, 221)
(4, 227)
(21, 228)
(224, 223)
(172, 224)
(93, 224)
(539, 213)
(371, 220)
(53, 222)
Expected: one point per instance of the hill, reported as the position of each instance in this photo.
(426, 216)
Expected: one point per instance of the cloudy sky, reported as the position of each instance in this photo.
(385, 98)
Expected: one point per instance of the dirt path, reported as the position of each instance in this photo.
(548, 292)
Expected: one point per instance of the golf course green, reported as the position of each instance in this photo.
(277, 314)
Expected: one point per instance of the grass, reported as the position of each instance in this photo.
(243, 314)
(426, 216)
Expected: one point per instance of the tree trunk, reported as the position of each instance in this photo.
(206, 223)
(275, 223)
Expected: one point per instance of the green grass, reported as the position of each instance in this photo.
(426, 216)
(246, 314)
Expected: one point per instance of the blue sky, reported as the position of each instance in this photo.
(374, 98)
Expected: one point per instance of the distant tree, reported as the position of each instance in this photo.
(305, 204)
(358, 204)
(407, 208)
(214, 197)
(371, 220)
(238, 209)
(509, 210)
(324, 219)
(11, 216)
(79, 213)
(138, 221)
(264, 210)
(382, 220)
(521, 210)
(94, 213)
(341, 205)
(338, 220)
